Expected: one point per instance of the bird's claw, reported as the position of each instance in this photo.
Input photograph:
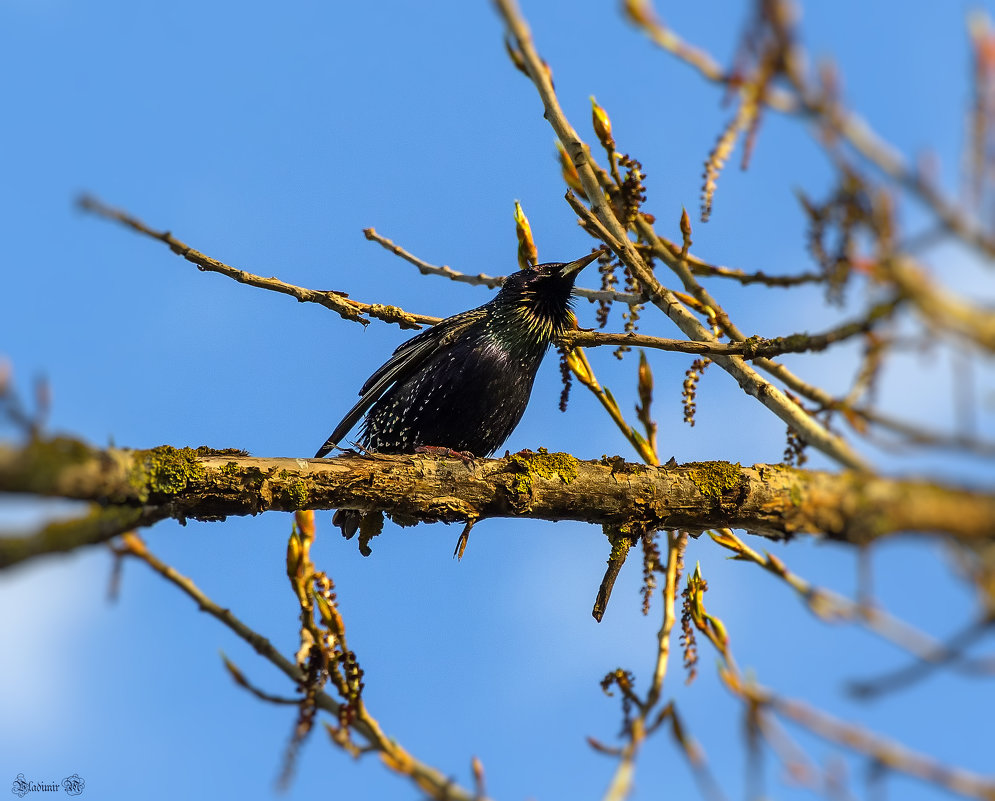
(464, 456)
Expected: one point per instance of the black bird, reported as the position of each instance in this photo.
(464, 384)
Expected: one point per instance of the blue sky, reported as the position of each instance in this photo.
(269, 138)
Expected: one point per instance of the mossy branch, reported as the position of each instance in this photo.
(772, 500)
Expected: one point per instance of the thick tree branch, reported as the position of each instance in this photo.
(772, 500)
(97, 525)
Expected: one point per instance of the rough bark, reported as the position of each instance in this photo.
(772, 500)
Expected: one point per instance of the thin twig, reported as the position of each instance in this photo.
(481, 279)
(609, 229)
(240, 679)
(695, 756)
(916, 434)
(832, 607)
(698, 266)
(848, 125)
(930, 660)
(338, 302)
(393, 314)
(425, 777)
(676, 543)
(751, 348)
(638, 727)
(881, 750)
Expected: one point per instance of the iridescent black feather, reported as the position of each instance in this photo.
(464, 383)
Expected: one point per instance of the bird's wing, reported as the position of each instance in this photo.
(408, 359)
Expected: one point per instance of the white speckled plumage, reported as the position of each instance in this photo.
(464, 383)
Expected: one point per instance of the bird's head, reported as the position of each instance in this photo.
(538, 298)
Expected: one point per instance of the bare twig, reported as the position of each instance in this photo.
(338, 302)
(581, 368)
(239, 678)
(637, 728)
(752, 348)
(491, 281)
(481, 279)
(921, 435)
(848, 125)
(938, 655)
(425, 777)
(832, 607)
(604, 222)
(940, 307)
(353, 310)
(676, 543)
(697, 265)
(879, 749)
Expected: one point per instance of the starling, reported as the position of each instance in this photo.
(463, 385)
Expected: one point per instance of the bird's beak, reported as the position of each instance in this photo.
(574, 267)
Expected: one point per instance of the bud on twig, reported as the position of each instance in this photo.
(685, 233)
(569, 171)
(602, 126)
(528, 256)
(640, 12)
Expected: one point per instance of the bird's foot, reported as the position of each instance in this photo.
(464, 456)
(355, 450)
